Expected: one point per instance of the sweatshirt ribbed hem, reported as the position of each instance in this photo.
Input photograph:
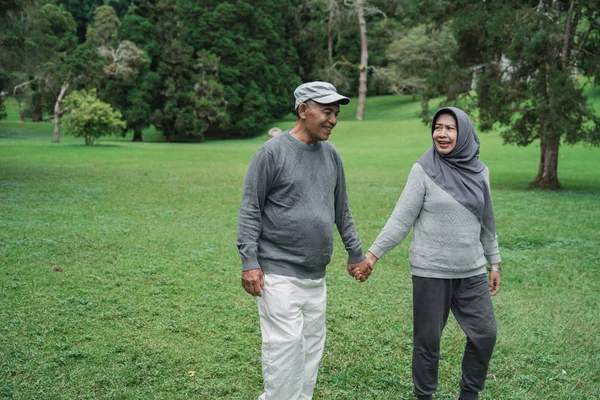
(432, 273)
(286, 269)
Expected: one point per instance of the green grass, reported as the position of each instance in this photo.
(150, 282)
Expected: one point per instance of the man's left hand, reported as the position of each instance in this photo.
(362, 270)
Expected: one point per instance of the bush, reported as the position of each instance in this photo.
(91, 118)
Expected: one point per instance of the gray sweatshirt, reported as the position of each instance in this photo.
(448, 241)
(293, 195)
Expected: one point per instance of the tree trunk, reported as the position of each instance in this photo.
(571, 27)
(57, 112)
(36, 101)
(424, 106)
(364, 60)
(21, 111)
(330, 31)
(547, 177)
(137, 135)
(21, 87)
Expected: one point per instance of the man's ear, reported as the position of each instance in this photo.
(302, 110)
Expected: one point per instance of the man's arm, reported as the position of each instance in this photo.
(256, 187)
(343, 218)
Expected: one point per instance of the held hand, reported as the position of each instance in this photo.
(350, 269)
(362, 275)
(360, 271)
(363, 270)
(494, 282)
(253, 281)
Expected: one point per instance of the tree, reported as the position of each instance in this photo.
(3, 79)
(137, 97)
(123, 58)
(362, 9)
(22, 39)
(536, 96)
(418, 64)
(364, 59)
(187, 96)
(526, 53)
(104, 30)
(256, 64)
(90, 118)
(334, 42)
(12, 6)
(57, 28)
(21, 92)
(124, 84)
(32, 39)
(83, 11)
(79, 68)
(192, 98)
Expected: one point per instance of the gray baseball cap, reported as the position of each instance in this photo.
(321, 92)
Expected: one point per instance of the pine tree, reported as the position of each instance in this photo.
(257, 65)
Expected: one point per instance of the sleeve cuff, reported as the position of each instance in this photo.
(248, 265)
(377, 251)
(355, 258)
(494, 258)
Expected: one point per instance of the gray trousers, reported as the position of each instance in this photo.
(471, 303)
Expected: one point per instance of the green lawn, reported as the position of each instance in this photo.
(148, 287)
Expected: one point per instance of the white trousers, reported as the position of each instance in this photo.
(292, 322)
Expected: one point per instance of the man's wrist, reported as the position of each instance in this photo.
(356, 258)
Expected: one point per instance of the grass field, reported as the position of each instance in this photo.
(120, 277)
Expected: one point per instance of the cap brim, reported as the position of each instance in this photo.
(332, 98)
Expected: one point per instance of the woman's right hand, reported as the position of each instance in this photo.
(371, 257)
(362, 275)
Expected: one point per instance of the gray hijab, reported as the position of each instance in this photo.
(459, 172)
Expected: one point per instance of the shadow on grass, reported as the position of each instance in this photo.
(96, 145)
(28, 136)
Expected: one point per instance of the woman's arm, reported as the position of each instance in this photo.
(404, 215)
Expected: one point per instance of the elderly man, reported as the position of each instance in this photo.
(295, 190)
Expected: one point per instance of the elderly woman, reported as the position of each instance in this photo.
(447, 202)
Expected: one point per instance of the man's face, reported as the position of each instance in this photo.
(445, 134)
(321, 119)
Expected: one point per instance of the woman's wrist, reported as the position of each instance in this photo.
(372, 257)
(494, 268)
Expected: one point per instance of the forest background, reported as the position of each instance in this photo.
(227, 69)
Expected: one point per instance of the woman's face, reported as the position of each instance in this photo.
(445, 134)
